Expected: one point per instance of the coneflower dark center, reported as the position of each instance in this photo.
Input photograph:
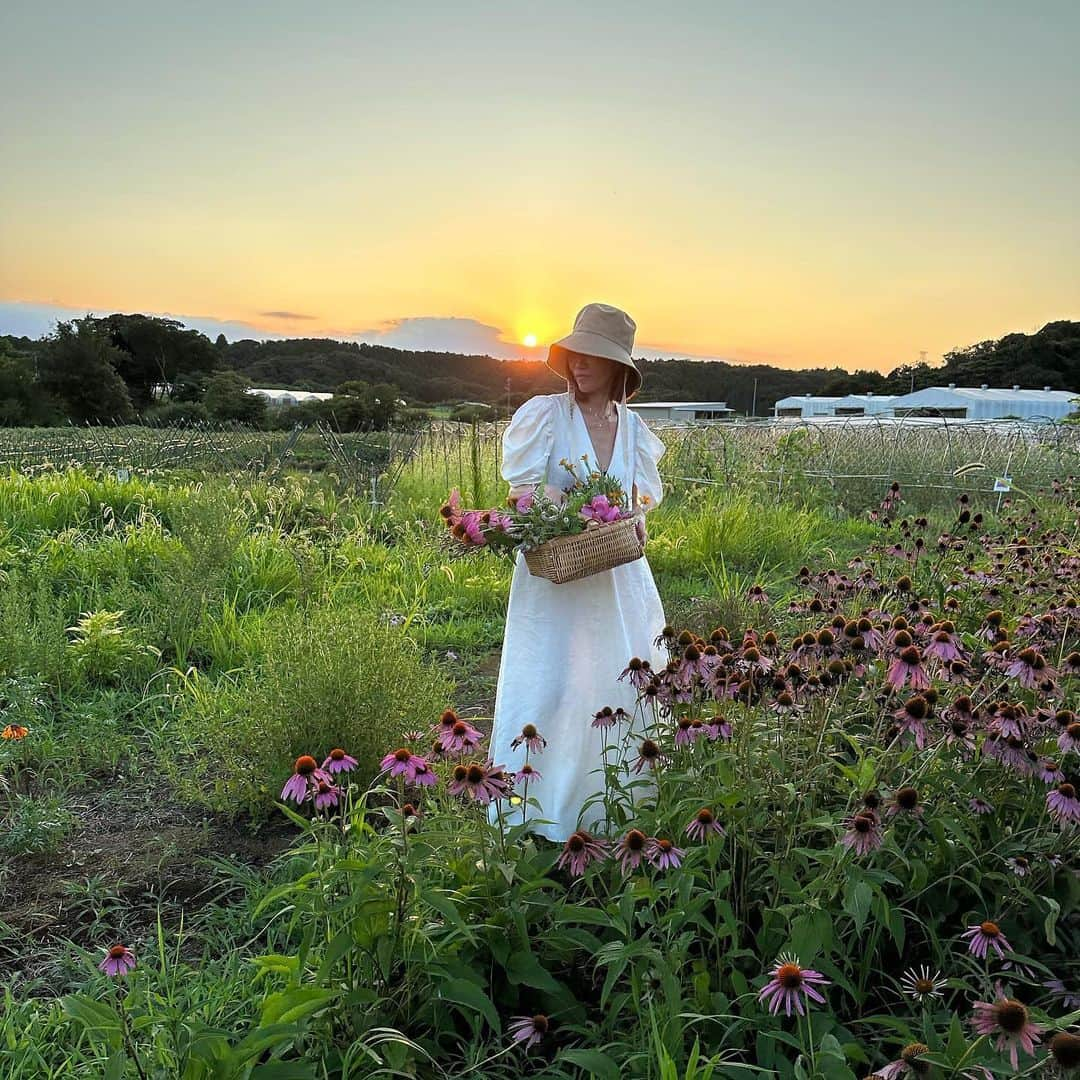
(789, 976)
(1011, 1016)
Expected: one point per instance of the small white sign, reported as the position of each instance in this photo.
(1003, 483)
(123, 475)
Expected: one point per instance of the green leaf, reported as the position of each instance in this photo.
(523, 967)
(463, 992)
(283, 1070)
(857, 898)
(594, 1062)
(1050, 922)
(101, 1021)
(288, 1006)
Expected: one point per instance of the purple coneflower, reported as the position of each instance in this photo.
(790, 986)
(1069, 739)
(863, 834)
(527, 774)
(910, 1061)
(605, 718)
(1069, 1000)
(664, 855)
(1029, 669)
(403, 762)
(638, 671)
(1063, 804)
(337, 761)
(631, 849)
(704, 825)
(685, 731)
(905, 801)
(985, 936)
(533, 740)
(911, 719)
(1019, 865)
(920, 984)
(757, 595)
(944, 647)
(459, 738)
(119, 960)
(907, 668)
(580, 850)
(1009, 1020)
(528, 1029)
(649, 755)
(327, 795)
(482, 782)
(1065, 1050)
(718, 728)
(1049, 772)
(306, 775)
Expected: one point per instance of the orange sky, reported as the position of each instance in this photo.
(772, 186)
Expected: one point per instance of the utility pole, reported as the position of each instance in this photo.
(507, 397)
(753, 404)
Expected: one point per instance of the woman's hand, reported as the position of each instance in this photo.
(639, 526)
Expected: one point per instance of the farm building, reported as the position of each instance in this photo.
(986, 403)
(277, 399)
(805, 405)
(681, 412)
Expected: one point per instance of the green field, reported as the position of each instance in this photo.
(174, 637)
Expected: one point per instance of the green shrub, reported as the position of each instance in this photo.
(333, 677)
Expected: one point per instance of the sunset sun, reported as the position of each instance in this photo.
(529, 341)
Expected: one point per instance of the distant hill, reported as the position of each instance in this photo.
(151, 349)
(1049, 358)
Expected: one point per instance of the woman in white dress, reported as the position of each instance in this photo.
(566, 645)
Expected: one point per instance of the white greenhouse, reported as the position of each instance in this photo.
(281, 398)
(863, 405)
(805, 405)
(986, 403)
(681, 412)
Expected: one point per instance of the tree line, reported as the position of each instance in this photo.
(145, 369)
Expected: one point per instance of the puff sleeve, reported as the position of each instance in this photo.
(527, 442)
(648, 450)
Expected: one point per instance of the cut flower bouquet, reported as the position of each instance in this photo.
(591, 500)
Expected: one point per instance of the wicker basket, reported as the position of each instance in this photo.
(569, 558)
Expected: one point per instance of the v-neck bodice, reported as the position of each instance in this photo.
(594, 456)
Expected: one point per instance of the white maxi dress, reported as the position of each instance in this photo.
(566, 645)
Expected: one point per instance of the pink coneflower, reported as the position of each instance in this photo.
(1019, 865)
(460, 738)
(921, 985)
(580, 850)
(1065, 1050)
(1063, 804)
(907, 668)
(631, 849)
(649, 756)
(528, 1029)
(337, 761)
(756, 595)
(403, 762)
(527, 775)
(327, 795)
(985, 936)
(482, 782)
(119, 960)
(533, 740)
(306, 776)
(863, 834)
(704, 825)
(905, 801)
(1009, 1020)
(791, 986)
(664, 855)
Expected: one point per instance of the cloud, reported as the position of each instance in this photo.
(285, 315)
(442, 334)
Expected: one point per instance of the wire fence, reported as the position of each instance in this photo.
(849, 461)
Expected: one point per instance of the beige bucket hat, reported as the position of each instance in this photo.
(599, 330)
